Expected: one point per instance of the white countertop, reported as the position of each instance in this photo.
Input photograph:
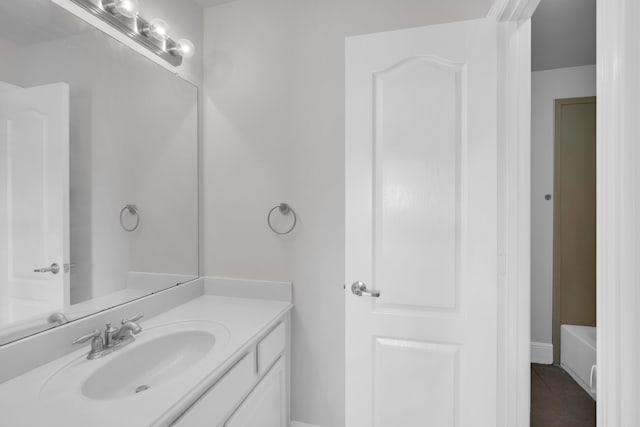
(23, 404)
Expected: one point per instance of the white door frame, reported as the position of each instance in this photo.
(514, 210)
(618, 236)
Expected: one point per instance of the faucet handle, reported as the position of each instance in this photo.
(132, 319)
(85, 338)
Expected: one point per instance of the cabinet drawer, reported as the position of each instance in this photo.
(270, 348)
(217, 402)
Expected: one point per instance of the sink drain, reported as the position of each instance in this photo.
(142, 388)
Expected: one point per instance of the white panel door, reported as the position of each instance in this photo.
(34, 189)
(421, 227)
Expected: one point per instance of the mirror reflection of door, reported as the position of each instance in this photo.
(34, 200)
(574, 254)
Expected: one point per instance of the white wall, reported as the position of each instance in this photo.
(547, 86)
(11, 69)
(274, 131)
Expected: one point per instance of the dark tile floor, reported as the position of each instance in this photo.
(557, 401)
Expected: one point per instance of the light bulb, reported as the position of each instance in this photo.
(127, 8)
(184, 48)
(157, 29)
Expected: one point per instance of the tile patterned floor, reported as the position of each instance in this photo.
(557, 401)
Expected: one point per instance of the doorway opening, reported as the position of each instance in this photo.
(563, 216)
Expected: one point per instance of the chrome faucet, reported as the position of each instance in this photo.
(97, 346)
(127, 330)
(112, 339)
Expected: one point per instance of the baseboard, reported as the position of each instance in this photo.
(541, 353)
(299, 424)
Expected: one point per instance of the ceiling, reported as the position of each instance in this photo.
(563, 34)
(563, 31)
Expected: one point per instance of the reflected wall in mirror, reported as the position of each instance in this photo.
(98, 171)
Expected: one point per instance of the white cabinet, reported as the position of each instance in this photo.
(266, 406)
(215, 404)
(253, 393)
(271, 347)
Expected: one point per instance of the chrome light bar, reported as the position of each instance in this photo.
(134, 26)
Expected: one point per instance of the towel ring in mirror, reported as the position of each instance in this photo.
(133, 210)
(284, 209)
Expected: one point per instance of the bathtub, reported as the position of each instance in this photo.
(578, 354)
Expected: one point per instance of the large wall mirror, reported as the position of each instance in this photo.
(98, 171)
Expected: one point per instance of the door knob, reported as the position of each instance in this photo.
(360, 288)
(54, 268)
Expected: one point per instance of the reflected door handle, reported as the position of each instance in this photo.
(360, 288)
(54, 268)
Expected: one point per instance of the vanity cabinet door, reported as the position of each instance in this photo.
(271, 347)
(214, 406)
(266, 406)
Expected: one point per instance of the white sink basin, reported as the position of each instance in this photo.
(158, 355)
(148, 364)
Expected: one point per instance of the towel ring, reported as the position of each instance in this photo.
(284, 209)
(133, 210)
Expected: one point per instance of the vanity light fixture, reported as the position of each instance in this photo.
(183, 48)
(157, 29)
(126, 8)
(153, 35)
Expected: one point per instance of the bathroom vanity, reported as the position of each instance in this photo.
(212, 361)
